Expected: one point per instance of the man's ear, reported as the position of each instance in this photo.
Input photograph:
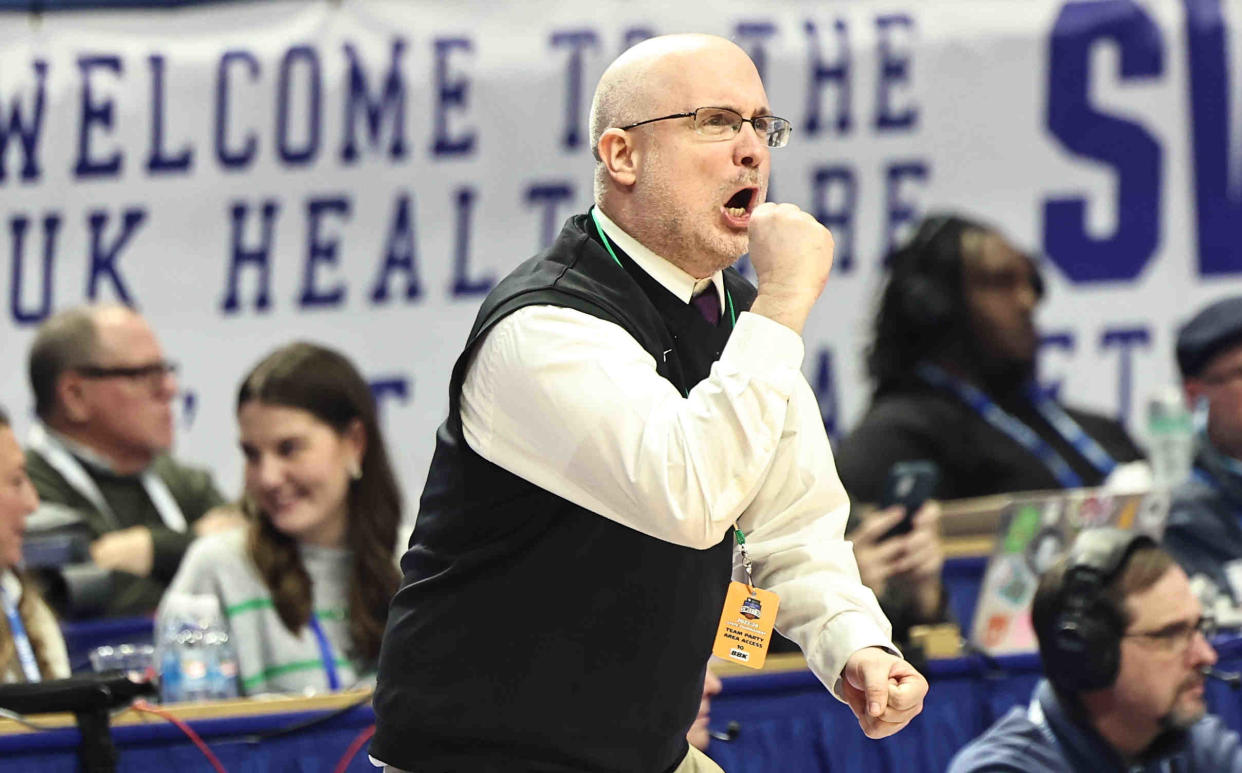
(619, 156)
(1193, 388)
(71, 397)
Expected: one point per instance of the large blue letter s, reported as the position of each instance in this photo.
(1218, 182)
(1127, 147)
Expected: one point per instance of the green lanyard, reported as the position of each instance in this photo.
(608, 246)
(741, 546)
(737, 532)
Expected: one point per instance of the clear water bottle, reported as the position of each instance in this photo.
(197, 660)
(1170, 438)
(222, 663)
(168, 658)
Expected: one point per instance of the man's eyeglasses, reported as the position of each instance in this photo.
(721, 123)
(1178, 635)
(152, 374)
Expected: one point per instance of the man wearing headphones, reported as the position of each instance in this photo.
(1204, 532)
(1125, 649)
(952, 362)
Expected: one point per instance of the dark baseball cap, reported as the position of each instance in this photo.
(1216, 327)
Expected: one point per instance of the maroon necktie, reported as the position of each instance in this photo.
(708, 305)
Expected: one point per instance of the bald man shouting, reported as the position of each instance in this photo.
(626, 408)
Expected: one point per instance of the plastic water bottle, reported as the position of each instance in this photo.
(197, 660)
(169, 659)
(222, 662)
(1170, 438)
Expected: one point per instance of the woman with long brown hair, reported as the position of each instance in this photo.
(305, 587)
(31, 646)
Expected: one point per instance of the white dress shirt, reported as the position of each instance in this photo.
(574, 404)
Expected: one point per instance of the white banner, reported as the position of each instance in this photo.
(360, 173)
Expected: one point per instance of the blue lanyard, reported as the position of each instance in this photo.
(325, 653)
(25, 653)
(1061, 422)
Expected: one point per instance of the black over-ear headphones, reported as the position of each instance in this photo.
(930, 266)
(923, 299)
(1084, 650)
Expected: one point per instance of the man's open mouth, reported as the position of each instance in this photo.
(737, 209)
(740, 203)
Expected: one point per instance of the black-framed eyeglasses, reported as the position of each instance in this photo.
(152, 373)
(1178, 635)
(721, 123)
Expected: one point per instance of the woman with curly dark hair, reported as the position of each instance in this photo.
(31, 646)
(952, 363)
(305, 587)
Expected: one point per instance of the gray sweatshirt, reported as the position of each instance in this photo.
(270, 658)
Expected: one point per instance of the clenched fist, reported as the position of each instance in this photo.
(792, 256)
(884, 691)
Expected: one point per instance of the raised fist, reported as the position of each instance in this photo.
(792, 256)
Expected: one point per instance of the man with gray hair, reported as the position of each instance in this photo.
(103, 392)
(627, 409)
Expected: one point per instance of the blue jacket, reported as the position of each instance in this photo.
(1204, 527)
(1044, 737)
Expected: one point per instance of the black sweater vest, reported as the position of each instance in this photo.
(530, 633)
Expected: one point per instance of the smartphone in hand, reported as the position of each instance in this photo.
(909, 484)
